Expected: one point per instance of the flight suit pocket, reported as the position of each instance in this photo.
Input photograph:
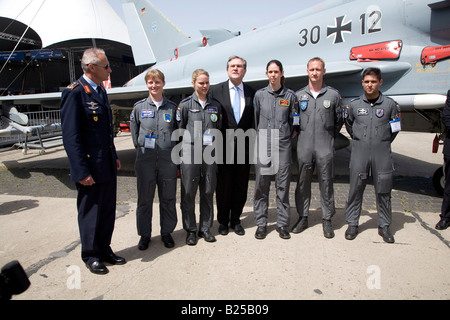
(384, 182)
(359, 131)
(384, 132)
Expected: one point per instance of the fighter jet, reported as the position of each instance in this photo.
(409, 40)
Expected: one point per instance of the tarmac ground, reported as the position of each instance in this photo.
(38, 227)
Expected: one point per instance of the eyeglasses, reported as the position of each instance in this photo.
(104, 67)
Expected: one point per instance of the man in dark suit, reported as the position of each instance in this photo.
(236, 98)
(87, 130)
(444, 221)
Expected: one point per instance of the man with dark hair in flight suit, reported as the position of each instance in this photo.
(373, 122)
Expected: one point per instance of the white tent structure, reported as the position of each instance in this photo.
(61, 30)
(61, 20)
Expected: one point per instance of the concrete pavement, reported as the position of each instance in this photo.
(38, 227)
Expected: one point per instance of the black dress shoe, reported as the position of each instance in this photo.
(191, 238)
(168, 241)
(143, 243)
(284, 232)
(238, 229)
(443, 224)
(223, 229)
(97, 267)
(301, 225)
(261, 233)
(351, 233)
(113, 259)
(327, 229)
(386, 234)
(207, 236)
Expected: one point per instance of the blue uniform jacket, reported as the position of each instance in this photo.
(88, 133)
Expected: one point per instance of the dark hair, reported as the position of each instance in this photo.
(373, 72)
(280, 65)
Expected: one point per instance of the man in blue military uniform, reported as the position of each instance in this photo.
(87, 129)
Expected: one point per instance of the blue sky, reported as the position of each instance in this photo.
(244, 15)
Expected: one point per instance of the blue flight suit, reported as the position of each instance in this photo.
(88, 138)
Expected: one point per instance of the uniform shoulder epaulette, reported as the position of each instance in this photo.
(73, 85)
(140, 101)
(291, 91)
(334, 89)
(186, 99)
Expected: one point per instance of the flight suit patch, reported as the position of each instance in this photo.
(284, 103)
(363, 112)
(326, 104)
(214, 117)
(379, 113)
(304, 105)
(147, 113)
(167, 117)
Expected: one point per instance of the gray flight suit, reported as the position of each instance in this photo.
(151, 129)
(369, 126)
(273, 111)
(196, 173)
(320, 122)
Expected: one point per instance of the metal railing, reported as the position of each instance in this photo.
(37, 118)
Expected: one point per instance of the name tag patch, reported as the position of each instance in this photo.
(148, 114)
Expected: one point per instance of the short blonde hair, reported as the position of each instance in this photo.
(316, 59)
(154, 73)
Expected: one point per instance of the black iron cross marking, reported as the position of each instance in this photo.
(338, 29)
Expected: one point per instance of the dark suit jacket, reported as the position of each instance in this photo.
(446, 122)
(88, 137)
(221, 92)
